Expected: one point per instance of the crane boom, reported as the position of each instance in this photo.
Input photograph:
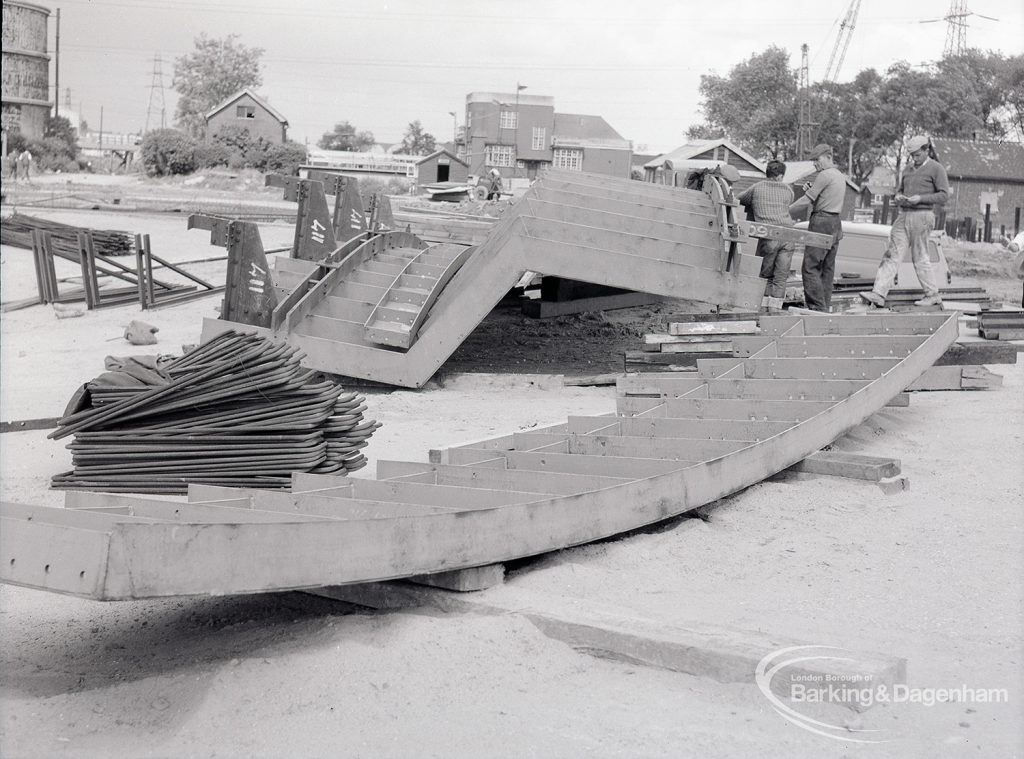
(835, 61)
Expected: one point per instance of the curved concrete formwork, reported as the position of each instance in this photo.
(619, 233)
(673, 445)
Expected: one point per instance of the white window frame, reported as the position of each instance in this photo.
(247, 112)
(539, 141)
(508, 120)
(499, 155)
(569, 159)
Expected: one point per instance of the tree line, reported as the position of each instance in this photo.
(757, 105)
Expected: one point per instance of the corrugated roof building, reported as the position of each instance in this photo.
(984, 173)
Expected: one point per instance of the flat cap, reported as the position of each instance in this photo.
(819, 150)
(916, 143)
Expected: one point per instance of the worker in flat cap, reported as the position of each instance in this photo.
(924, 186)
(825, 197)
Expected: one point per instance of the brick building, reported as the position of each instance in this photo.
(247, 110)
(983, 174)
(522, 135)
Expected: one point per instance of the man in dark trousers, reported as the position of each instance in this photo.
(769, 200)
(825, 197)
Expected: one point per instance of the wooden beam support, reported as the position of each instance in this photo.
(718, 408)
(849, 465)
(494, 478)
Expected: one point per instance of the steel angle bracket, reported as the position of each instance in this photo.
(249, 296)
(217, 226)
(725, 206)
(349, 218)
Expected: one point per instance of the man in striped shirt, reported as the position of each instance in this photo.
(770, 200)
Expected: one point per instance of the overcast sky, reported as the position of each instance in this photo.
(382, 64)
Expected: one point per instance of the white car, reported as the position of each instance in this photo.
(861, 249)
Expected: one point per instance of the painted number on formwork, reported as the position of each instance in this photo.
(256, 278)
(757, 230)
(355, 219)
(317, 231)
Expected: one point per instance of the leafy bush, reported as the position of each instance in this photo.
(211, 154)
(238, 149)
(168, 151)
(285, 158)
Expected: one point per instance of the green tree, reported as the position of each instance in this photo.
(345, 137)
(417, 142)
(58, 149)
(756, 104)
(213, 72)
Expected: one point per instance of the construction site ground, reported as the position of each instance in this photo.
(933, 573)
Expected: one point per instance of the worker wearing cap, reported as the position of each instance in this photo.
(923, 186)
(825, 197)
(494, 186)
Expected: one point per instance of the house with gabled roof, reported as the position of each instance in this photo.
(247, 110)
(984, 174)
(706, 154)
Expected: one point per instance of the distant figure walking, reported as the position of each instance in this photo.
(825, 196)
(494, 186)
(1016, 246)
(924, 185)
(769, 200)
(24, 164)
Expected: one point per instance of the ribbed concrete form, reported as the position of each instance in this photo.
(672, 445)
(394, 310)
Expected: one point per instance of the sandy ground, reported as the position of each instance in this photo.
(934, 574)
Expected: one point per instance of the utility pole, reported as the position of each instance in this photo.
(515, 138)
(56, 71)
(156, 90)
(805, 131)
(956, 29)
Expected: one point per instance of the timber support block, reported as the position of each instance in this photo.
(850, 465)
(464, 580)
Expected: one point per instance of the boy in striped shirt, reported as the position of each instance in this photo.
(769, 200)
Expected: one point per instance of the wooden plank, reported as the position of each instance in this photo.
(849, 465)
(48, 556)
(450, 496)
(326, 503)
(493, 478)
(674, 449)
(625, 467)
(706, 408)
(956, 377)
(866, 324)
(659, 338)
(670, 359)
(834, 346)
(709, 429)
(766, 389)
(800, 368)
(718, 346)
(713, 328)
